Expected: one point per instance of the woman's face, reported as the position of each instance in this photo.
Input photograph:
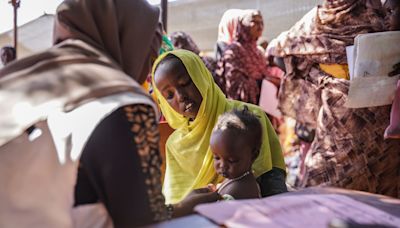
(176, 86)
(392, 18)
(232, 156)
(256, 26)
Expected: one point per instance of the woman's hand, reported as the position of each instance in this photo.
(274, 80)
(197, 196)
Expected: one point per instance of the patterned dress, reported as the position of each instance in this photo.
(137, 177)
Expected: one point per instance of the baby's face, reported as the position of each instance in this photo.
(232, 156)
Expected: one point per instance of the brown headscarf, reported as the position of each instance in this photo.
(122, 29)
(100, 43)
(321, 36)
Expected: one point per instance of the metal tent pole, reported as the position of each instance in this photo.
(164, 13)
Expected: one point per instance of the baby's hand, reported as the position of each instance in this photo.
(212, 187)
(194, 198)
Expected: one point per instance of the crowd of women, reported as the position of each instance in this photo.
(336, 146)
(79, 140)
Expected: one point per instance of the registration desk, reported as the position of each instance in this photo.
(310, 207)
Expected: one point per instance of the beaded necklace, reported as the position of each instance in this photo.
(232, 180)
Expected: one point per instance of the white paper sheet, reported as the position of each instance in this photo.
(294, 211)
(375, 55)
(268, 100)
(371, 91)
(350, 59)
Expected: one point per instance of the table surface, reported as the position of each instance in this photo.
(384, 203)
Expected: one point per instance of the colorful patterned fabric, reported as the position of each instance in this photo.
(323, 33)
(348, 149)
(319, 37)
(166, 44)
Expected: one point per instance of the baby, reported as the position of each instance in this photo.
(235, 143)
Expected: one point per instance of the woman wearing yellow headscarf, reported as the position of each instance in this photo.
(191, 103)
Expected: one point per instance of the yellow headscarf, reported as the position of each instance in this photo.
(189, 161)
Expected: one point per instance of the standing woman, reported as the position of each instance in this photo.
(243, 66)
(191, 103)
(348, 149)
(227, 30)
(75, 119)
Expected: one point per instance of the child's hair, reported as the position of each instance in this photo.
(243, 122)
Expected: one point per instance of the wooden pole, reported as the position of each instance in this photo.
(164, 13)
(15, 4)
